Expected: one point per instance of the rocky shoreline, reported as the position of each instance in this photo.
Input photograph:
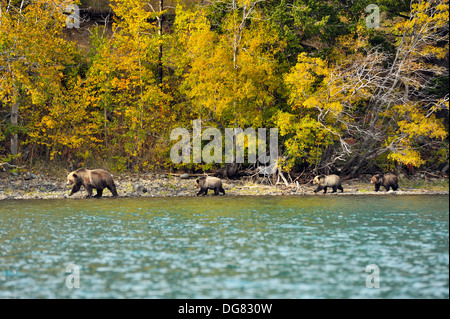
(39, 186)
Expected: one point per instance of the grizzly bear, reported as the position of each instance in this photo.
(207, 182)
(324, 181)
(387, 180)
(95, 178)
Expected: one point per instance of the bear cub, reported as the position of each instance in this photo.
(207, 182)
(324, 182)
(387, 180)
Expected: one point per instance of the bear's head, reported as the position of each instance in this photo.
(318, 179)
(376, 179)
(72, 178)
(200, 181)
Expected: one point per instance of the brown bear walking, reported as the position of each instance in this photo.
(90, 179)
(387, 180)
(323, 181)
(206, 182)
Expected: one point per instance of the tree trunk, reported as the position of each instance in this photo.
(14, 137)
(160, 31)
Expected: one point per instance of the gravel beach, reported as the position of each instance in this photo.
(39, 186)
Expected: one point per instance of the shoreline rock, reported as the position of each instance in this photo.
(36, 186)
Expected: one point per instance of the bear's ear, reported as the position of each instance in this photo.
(75, 176)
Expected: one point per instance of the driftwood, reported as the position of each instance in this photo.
(279, 177)
(280, 174)
(193, 175)
(10, 165)
(428, 173)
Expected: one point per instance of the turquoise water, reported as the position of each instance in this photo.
(225, 247)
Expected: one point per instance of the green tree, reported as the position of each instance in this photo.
(229, 75)
(33, 59)
(372, 102)
(130, 109)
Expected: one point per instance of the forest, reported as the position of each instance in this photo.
(352, 87)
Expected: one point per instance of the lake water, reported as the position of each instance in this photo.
(226, 247)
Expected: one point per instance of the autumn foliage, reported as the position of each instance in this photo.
(344, 97)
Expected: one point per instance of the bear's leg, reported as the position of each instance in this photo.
(395, 187)
(334, 189)
(388, 187)
(222, 190)
(377, 187)
(206, 192)
(202, 190)
(216, 191)
(318, 189)
(340, 188)
(89, 191)
(113, 190)
(99, 193)
(325, 189)
(75, 189)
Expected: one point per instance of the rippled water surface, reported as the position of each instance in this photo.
(226, 247)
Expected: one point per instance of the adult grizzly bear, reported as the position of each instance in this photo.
(387, 180)
(207, 182)
(324, 181)
(90, 179)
